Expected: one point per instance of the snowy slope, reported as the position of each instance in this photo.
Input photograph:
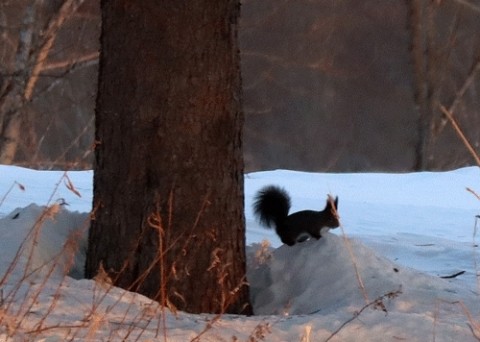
(399, 233)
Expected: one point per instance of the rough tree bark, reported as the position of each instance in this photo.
(168, 185)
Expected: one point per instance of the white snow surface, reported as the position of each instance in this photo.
(376, 278)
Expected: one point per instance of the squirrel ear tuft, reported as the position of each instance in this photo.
(331, 201)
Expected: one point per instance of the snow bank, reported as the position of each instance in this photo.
(308, 292)
(40, 240)
(323, 276)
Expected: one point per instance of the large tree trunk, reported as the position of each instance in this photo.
(168, 184)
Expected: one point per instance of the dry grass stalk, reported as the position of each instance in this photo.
(376, 304)
(260, 332)
(28, 246)
(155, 222)
(69, 250)
(460, 133)
(86, 129)
(474, 325)
(308, 332)
(31, 238)
(15, 183)
(67, 254)
(474, 193)
(263, 255)
(474, 249)
(350, 252)
(461, 92)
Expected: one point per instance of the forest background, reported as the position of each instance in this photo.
(327, 85)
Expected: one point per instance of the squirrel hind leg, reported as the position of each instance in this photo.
(303, 237)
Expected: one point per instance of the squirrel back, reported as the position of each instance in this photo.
(272, 204)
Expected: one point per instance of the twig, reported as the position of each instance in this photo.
(469, 5)
(474, 250)
(85, 130)
(474, 326)
(10, 190)
(40, 93)
(435, 320)
(474, 193)
(91, 57)
(68, 8)
(352, 256)
(462, 136)
(376, 303)
(453, 275)
(458, 96)
(207, 327)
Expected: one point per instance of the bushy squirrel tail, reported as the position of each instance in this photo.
(271, 205)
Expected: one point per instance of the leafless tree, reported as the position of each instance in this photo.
(36, 88)
(445, 56)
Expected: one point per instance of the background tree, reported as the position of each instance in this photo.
(168, 183)
(49, 55)
(338, 86)
(445, 59)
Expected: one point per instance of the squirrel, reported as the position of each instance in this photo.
(272, 204)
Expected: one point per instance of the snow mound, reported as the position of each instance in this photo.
(323, 277)
(312, 289)
(41, 240)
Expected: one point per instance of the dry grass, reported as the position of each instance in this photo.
(376, 304)
(32, 317)
(348, 245)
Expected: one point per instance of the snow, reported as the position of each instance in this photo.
(376, 278)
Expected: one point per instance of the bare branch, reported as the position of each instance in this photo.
(10, 97)
(68, 64)
(61, 78)
(459, 95)
(85, 130)
(68, 8)
(462, 136)
(25, 39)
(377, 303)
(469, 5)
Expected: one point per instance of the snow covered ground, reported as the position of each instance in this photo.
(402, 267)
